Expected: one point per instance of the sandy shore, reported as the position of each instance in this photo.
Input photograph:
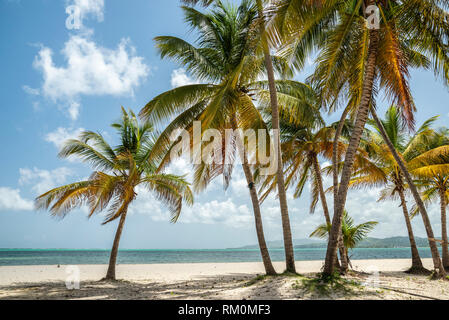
(373, 279)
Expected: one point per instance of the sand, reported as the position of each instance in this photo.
(371, 279)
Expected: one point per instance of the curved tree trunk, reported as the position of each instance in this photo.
(269, 269)
(319, 181)
(362, 116)
(416, 259)
(438, 265)
(444, 245)
(286, 229)
(343, 255)
(110, 275)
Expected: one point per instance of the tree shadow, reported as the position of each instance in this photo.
(236, 286)
(205, 287)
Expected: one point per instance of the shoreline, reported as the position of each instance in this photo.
(183, 271)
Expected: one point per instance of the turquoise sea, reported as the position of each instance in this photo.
(17, 257)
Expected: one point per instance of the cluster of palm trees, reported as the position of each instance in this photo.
(245, 59)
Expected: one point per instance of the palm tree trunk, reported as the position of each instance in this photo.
(286, 229)
(269, 269)
(438, 265)
(335, 160)
(416, 259)
(110, 275)
(319, 181)
(343, 253)
(444, 245)
(362, 116)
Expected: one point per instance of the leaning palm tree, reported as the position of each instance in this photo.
(264, 46)
(118, 172)
(431, 168)
(225, 58)
(352, 234)
(359, 54)
(381, 170)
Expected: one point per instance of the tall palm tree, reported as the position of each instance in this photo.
(352, 234)
(225, 58)
(270, 71)
(288, 243)
(357, 58)
(431, 168)
(381, 169)
(118, 172)
(302, 144)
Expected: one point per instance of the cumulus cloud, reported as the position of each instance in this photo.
(10, 199)
(179, 78)
(60, 135)
(90, 70)
(42, 181)
(226, 212)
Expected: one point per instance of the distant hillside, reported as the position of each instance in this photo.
(392, 242)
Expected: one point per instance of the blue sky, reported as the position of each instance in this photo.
(57, 82)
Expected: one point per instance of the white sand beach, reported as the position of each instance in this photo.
(372, 279)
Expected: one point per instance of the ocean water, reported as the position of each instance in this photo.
(16, 257)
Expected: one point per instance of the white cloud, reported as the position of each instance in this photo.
(60, 135)
(91, 70)
(10, 199)
(31, 91)
(43, 180)
(179, 78)
(226, 212)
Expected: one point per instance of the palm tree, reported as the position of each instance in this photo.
(288, 243)
(268, 61)
(302, 144)
(356, 58)
(381, 169)
(431, 168)
(352, 234)
(228, 63)
(118, 172)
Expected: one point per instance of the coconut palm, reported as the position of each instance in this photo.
(431, 168)
(118, 172)
(225, 58)
(381, 169)
(352, 234)
(302, 145)
(276, 126)
(270, 71)
(356, 58)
